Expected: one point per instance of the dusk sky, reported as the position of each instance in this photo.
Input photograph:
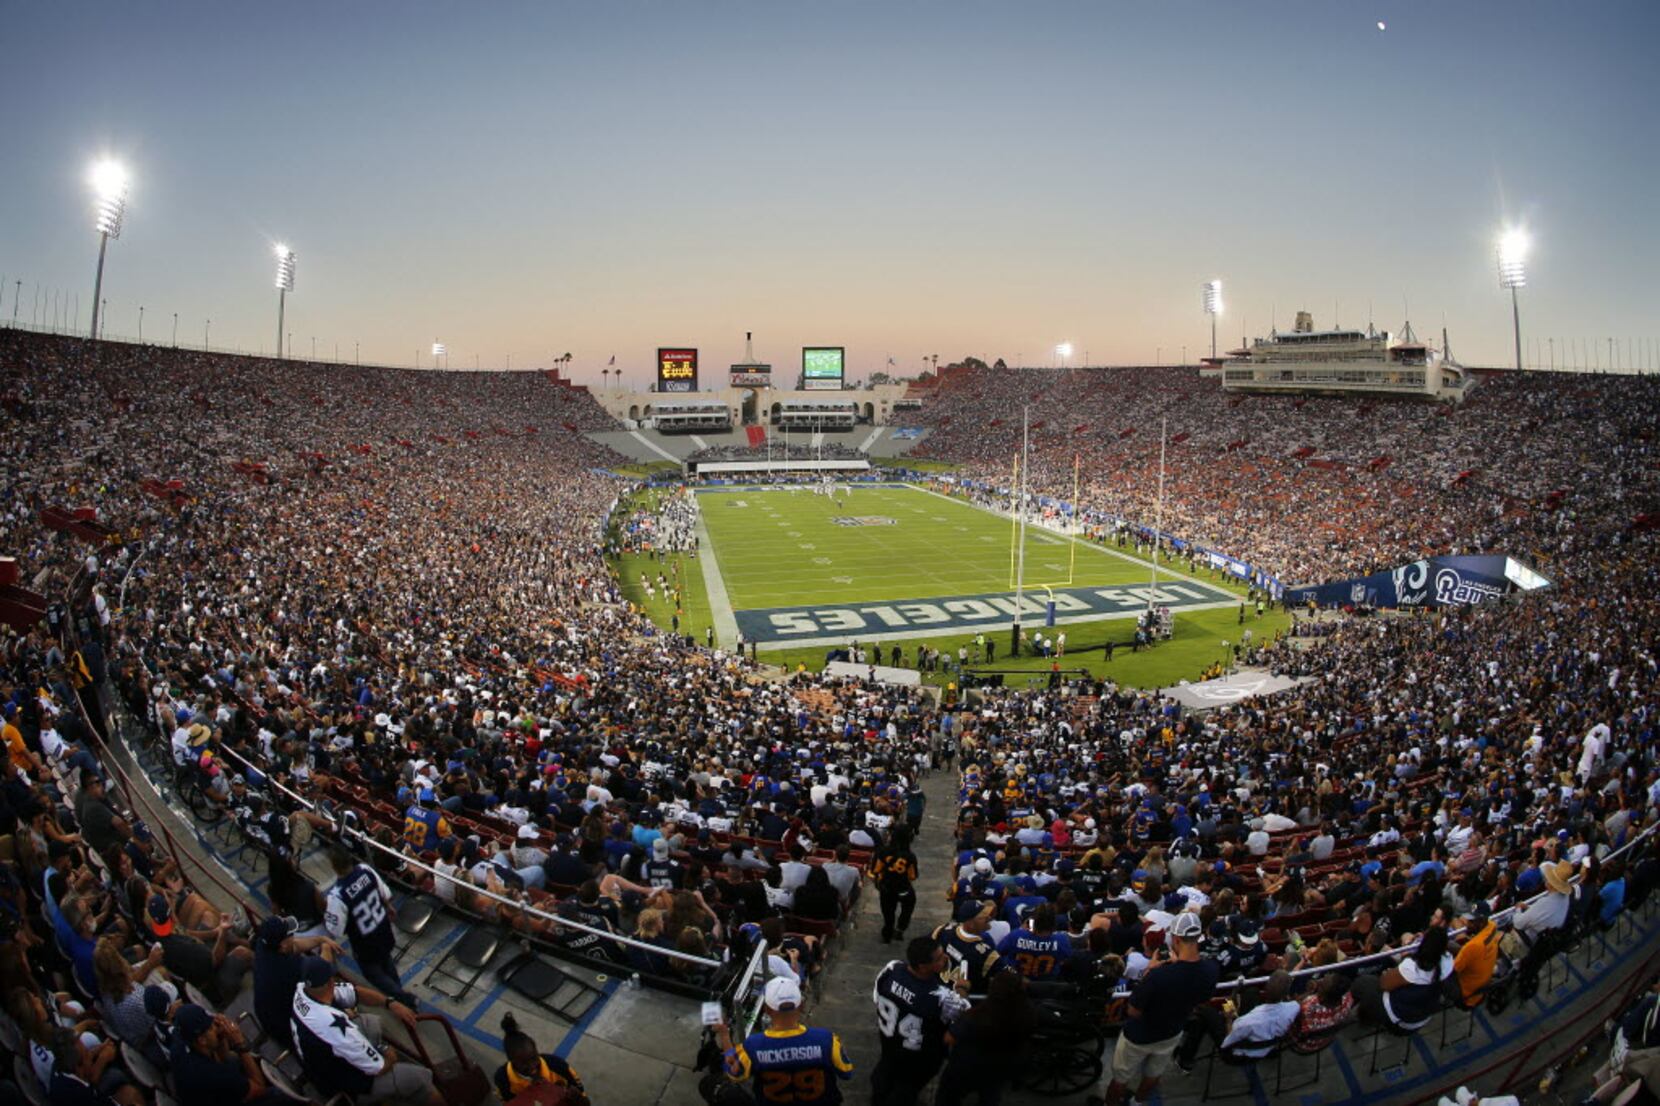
(900, 178)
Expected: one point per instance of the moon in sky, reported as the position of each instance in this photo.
(1382, 26)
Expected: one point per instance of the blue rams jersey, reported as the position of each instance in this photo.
(422, 829)
(1036, 956)
(792, 1066)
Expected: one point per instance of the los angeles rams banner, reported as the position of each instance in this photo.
(1453, 581)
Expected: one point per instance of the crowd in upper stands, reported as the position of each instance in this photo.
(780, 451)
(387, 590)
(1525, 459)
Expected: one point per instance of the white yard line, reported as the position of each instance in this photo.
(720, 607)
(1181, 577)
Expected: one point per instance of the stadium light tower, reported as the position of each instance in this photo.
(439, 350)
(109, 205)
(1513, 245)
(1213, 308)
(1064, 353)
(285, 285)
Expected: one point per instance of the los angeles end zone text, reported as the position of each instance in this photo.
(874, 621)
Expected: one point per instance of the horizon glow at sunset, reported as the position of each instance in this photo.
(900, 180)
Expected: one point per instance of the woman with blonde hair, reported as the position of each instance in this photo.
(121, 991)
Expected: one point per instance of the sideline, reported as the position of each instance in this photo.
(720, 606)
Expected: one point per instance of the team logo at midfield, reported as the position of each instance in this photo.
(863, 520)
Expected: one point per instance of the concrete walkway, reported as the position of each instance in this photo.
(844, 1002)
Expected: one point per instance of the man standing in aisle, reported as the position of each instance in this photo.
(1158, 1011)
(788, 1062)
(913, 1011)
(357, 908)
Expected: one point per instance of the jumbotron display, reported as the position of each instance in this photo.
(676, 370)
(823, 368)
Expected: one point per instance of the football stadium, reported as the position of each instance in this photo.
(644, 709)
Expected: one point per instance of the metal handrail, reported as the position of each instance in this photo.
(523, 907)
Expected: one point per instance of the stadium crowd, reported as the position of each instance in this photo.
(1383, 481)
(387, 591)
(779, 450)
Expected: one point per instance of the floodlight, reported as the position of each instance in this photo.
(1513, 246)
(285, 268)
(1213, 308)
(109, 203)
(109, 196)
(1063, 351)
(285, 285)
(438, 349)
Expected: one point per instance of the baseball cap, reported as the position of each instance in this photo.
(161, 916)
(528, 833)
(274, 930)
(316, 971)
(783, 994)
(191, 1022)
(969, 908)
(1245, 931)
(983, 866)
(660, 847)
(1187, 926)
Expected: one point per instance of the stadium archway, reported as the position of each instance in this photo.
(751, 407)
(777, 409)
(634, 412)
(870, 413)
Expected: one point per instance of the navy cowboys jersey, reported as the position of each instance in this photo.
(337, 1057)
(972, 957)
(357, 907)
(912, 1012)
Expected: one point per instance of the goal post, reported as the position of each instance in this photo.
(1070, 528)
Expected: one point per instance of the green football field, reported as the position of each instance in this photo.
(897, 562)
(799, 574)
(779, 548)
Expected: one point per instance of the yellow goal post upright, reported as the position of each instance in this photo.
(1071, 529)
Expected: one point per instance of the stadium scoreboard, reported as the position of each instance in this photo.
(823, 368)
(751, 375)
(676, 370)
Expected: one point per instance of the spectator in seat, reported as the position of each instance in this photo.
(337, 1055)
(1478, 955)
(528, 1066)
(212, 1065)
(1328, 1008)
(216, 970)
(1407, 996)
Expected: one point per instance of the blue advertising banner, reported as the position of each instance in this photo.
(1452, 581)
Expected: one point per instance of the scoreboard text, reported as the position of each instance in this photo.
(676, 370)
